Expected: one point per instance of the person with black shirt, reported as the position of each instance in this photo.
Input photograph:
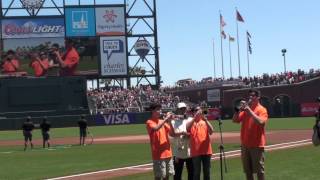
(82, 123)
(45, 128)
(27, 128)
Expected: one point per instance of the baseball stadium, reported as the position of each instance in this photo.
(82, 96)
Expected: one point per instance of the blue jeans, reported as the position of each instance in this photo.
(206, 165)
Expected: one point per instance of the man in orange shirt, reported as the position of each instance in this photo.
(253, 117)
(69, 61)
(200, 130)
(159, 131)
(40, 65)
(11, 64)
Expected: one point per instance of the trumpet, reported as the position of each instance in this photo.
(242, 105)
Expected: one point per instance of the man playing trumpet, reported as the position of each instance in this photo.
(253, 117)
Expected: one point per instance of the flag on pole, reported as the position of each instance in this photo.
(239, 17)
(222, 24)
(231, 39)
(249, 42)
(223, 34)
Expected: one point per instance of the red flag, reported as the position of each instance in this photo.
(239, 17)
(222, 23)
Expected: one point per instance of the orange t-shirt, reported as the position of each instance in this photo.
(253, 134)
(159, 140)
(71, 59)
(199, 139)
(9, 67)
(40, 70)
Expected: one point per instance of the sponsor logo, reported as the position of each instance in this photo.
(80, 20)
(13, 29)
(112, 46)
(110, 16)
(116, 119)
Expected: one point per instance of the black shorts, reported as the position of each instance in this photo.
(27, 135)
(83, 132)
(45, 136)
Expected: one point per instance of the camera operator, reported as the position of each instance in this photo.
(39, 63)
(253, 117)
(200, 130)
(69, 61)
(10, 64)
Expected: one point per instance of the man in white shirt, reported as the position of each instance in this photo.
(180, 143)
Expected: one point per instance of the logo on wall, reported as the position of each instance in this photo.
(112, 46)
(80, 20)
(27, 28)
(113, 56)
(142, 47)
(110, 21)
(110, 16)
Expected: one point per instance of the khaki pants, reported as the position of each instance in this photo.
(252, 160)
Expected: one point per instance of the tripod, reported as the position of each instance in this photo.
(222, 153)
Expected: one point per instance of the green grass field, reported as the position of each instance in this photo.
(123, 130)
(67, 160)
(294, 164)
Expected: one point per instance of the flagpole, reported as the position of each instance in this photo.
(230, 57)
(248, 55)
(239, 69)
(214, 60)
(221, 48)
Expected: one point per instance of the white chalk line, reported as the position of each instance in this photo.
(215, 157)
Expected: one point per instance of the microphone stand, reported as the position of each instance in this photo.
(222, 153)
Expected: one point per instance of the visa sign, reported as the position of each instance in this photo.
(115, 119)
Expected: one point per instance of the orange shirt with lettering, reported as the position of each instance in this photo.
(253, 134)
(9, 67)
(200, 139)
(159, 140)
(40, 69)
(71, 59)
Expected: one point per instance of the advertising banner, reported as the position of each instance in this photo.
(213, 95)
(110, 21)
(213, 113)
(116, 119)
(32, 28)
(309, 109)
(113, 58)
(80, 22)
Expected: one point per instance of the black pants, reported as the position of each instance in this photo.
(178, 168)
(205, 161)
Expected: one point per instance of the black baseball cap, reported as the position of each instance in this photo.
(318, 99)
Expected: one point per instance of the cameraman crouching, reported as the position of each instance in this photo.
(253, 117)
(69, 61)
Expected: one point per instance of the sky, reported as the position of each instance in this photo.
(187, 29)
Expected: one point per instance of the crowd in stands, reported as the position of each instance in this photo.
(255, 81)
(116, 99)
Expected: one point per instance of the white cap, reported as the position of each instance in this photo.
(181, 105)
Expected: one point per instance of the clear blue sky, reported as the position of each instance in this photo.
(186, 30)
